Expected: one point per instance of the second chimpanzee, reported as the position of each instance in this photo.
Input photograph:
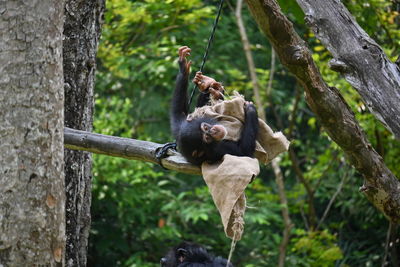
(202, 139)
(188, 254)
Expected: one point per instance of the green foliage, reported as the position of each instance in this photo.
(139, 209)
(317, 248)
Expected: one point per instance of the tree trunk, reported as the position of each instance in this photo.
(32, 199)
(358, 58)
(380, 186)
(81, 35)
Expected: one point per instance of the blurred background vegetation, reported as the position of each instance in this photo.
(139, 209)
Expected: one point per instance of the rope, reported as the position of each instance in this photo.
(207, 48)
(233, 246)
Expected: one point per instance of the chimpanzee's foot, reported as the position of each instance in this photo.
(203, 82)
(216, 94)
(207, 83)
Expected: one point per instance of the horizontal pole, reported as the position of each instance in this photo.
(126, 148)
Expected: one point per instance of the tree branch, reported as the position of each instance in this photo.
(312, 214)
(358, 58)
(249, 59)
(271, 74)
(381, 187)
(125, 148)
(388, 235)
(328, 207)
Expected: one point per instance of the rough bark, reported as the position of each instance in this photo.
(380, 186)
(81, 35)
(32, 219)
(126, 148)
(358, 58)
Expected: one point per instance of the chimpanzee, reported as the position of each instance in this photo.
(188, 254)
(202, 139)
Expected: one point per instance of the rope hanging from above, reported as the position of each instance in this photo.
(207, 48)
(162, 151)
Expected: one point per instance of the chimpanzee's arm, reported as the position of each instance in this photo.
(179, 105)
(179, 100)
(247, 142)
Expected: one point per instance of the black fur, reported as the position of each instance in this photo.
(188, 254)
(189, 135)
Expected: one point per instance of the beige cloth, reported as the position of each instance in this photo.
(226, 182)
(228, 179)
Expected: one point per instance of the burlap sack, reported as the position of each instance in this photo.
(226, 182)
(230, 113)
(228, 179)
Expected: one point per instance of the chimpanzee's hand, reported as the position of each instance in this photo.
(184, 64)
